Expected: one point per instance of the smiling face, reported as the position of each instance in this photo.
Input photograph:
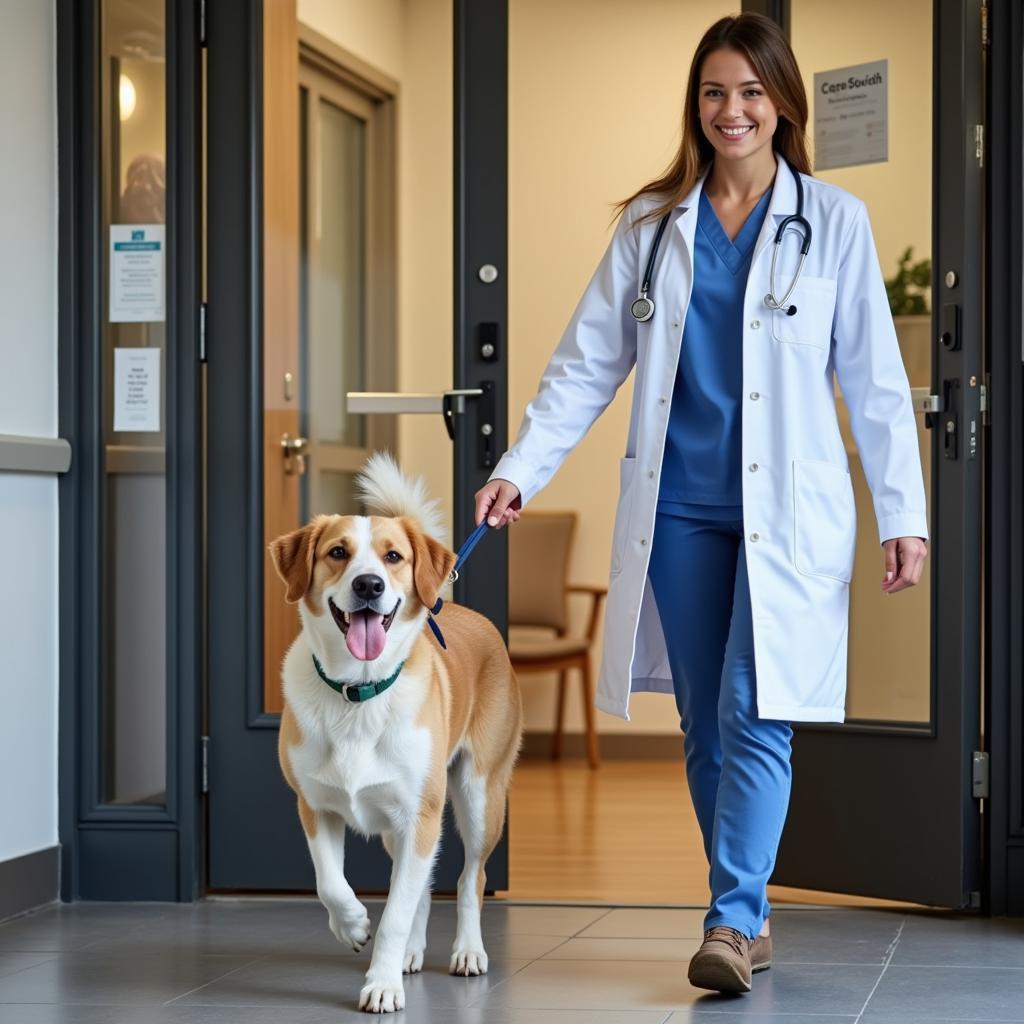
(368, 578)
(737, 116)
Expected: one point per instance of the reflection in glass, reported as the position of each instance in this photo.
(134, 683)
(889, 652)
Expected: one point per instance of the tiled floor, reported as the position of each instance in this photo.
(275, 962)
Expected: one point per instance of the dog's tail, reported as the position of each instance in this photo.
(387, 491)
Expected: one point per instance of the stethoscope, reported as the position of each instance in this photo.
(643, 306)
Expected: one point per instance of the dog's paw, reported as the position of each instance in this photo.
(468, 962)
(352, 930)
(413, 962)
(382, 995)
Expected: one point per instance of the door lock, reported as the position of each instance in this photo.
(294, 449)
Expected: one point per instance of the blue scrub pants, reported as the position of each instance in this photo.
(737, 765)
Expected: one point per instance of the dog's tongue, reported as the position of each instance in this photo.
(366, 636)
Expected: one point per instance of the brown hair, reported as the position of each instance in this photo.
(765, 45)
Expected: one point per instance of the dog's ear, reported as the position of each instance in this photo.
(293, 556)
(432, 562)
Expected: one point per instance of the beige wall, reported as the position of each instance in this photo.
(588, 122)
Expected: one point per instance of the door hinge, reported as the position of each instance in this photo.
(979, 144)
(985, 412)
(979, 775)
(984, 25)
(202, 332)
(202, 23)
(204, 755)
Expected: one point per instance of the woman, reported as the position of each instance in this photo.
(735, 531)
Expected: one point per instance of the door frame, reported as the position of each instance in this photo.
(1004, 482)
(118, 852)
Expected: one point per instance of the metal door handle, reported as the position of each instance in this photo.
(409, 402)
(925, 401)
(294, 449)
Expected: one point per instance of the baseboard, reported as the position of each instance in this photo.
(29, 882)
(616, 746)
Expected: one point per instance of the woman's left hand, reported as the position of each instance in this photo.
(904, 563)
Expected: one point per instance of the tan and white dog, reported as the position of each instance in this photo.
(381, 724)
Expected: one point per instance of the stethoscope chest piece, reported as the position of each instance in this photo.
(769, 301)
(642, 309)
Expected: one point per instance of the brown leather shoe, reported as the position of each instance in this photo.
(727, 959)
(761, 954)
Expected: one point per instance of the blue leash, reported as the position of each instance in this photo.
(463, 553)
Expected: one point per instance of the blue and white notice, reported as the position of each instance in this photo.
(851, 115)
(137, 273)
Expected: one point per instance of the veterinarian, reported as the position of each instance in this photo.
(735, 529)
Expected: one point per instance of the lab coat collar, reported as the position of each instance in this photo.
(781, 204)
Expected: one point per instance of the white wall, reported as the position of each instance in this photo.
(28, 405)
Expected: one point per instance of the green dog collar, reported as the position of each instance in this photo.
(356, 693)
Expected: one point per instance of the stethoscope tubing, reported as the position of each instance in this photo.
(643, 307)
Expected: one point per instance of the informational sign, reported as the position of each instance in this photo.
(137, 389)
(136, 273)
(851, 115)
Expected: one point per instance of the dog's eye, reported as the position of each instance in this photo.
(392, 557)
(337, 552)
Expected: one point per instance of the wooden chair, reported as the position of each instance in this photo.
(540, 546)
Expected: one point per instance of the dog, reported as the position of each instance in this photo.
(380, 724)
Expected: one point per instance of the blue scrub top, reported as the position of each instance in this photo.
(700, 472)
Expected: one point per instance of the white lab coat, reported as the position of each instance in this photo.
(798, 504)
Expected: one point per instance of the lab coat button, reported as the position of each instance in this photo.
(755, 324)
(754, 396)
(650, 473)
(753, 467)
(643, 542)
(661, 401)
(755, 536)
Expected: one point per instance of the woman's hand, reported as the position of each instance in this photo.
(498, 500)
(904, 563)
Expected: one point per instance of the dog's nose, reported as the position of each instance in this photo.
(368, 586)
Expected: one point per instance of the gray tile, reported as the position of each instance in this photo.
(639, 985)
(11, 963)
(323, 981)
(144, 979)
(538, 920)
(943, 938)
(967, 993)
(913, 1018)
(24, 1013)
(689, 1015)
(71, 926)
(648, 923)
(440, 937)
(837, 936)
(583, 948)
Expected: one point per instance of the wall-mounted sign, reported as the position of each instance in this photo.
(137, 389)
(136, 273)
(851, 115)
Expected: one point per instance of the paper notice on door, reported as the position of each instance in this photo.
(136, 273)
(137, 389)
(851, 115)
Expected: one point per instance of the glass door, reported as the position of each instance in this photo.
(888, 803)
(354, 292)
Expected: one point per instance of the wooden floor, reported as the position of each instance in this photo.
(625, 833)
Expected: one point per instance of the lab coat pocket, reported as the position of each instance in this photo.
(824, 519)
(811, 324)
(622, 511)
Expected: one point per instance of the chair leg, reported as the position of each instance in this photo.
(556, 739)
(588, 710)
